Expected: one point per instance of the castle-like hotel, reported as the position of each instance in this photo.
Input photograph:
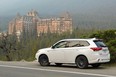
(32, 23)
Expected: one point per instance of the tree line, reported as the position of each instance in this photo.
(13, 50)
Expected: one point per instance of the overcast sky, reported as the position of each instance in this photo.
(11, 7)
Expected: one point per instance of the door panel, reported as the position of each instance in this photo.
(70, 54)
(56, 55)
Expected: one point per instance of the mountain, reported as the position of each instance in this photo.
(94, 21)
(4, 20)
(100, 14)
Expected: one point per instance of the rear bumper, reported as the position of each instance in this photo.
(100, 59)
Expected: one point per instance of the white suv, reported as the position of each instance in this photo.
(82, 52)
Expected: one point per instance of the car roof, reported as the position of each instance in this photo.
(79, 39)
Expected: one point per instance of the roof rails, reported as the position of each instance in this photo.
(94, 38)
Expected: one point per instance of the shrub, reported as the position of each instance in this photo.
(109, 38)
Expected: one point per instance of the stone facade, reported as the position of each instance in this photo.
(32, 23)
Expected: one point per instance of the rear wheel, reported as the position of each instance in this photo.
(43, 60)
(81, 62)
(96, 65)
(58, 64)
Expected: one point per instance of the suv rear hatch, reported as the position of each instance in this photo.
(101, 47)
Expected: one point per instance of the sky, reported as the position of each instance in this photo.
(98, 7)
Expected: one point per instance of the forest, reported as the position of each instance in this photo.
(12, 49)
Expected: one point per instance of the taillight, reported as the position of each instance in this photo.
(96, 48)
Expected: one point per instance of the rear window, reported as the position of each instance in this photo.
(99, 43)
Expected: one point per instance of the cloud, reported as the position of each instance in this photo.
(11, 7)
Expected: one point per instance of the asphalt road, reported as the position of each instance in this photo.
(33, 69)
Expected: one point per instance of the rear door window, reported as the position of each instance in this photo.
(99, 43)
(78, 43)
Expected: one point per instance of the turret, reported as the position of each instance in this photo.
(32, 13)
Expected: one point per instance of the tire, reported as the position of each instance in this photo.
(95, 65)
(81, 62)
(58, 64)
(43, 60)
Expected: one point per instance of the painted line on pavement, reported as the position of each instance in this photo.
(58, 71)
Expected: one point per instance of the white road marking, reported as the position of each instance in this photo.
(58, 71)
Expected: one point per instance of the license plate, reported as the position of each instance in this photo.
(105, 50)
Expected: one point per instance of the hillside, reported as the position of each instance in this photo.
(94, 21)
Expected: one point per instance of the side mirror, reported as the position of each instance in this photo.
(52, 47)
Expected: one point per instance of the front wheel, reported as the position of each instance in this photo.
(43, 60)
(81, 62)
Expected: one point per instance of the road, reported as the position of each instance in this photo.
(33, 69)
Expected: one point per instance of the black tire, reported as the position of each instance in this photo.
(95, 65)
(43, 60)
(81, 62)
(58, 64)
